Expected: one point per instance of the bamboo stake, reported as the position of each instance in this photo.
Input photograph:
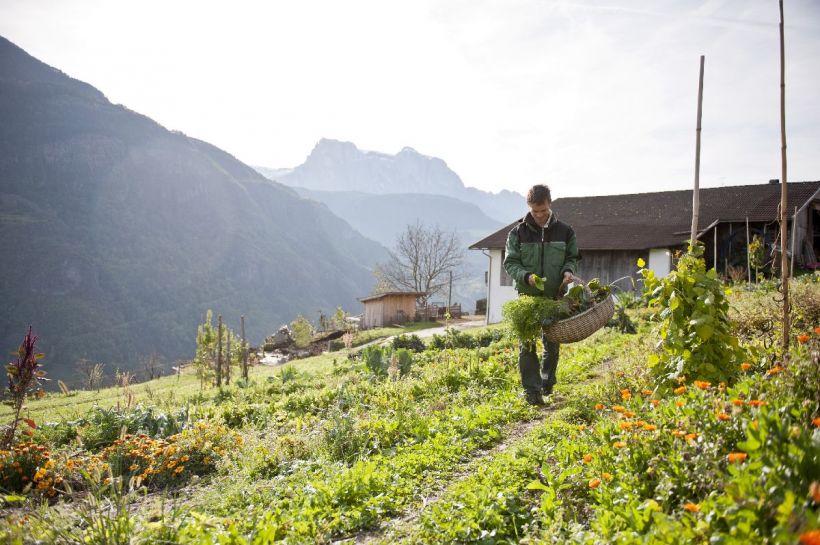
(784, 263)
(696, 192)
(794, 235)
(244, 349)
(219, 353)
(748, 256)
(228, 361)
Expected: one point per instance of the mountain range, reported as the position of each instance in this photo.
(334, 165)
(118, 234)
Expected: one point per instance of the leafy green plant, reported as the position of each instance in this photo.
(24, 376)
(376, 361)
(302, 331)
(411, 342)
(696, 337)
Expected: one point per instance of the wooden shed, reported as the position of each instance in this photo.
(393, 307)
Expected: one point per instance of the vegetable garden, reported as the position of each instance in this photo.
(693, 430)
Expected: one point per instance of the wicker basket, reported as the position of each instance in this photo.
(579, 327)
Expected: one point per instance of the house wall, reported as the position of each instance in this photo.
(660, 261)
(373, 314)
(497, 294)
(610, 265)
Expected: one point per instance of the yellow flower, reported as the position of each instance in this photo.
(619, 408)
(649, 427)
(625, 425)
(646, 392)
(692, 507)
(626, 395)
(179, 470)
(680, 390)
(618, 444)
(606, 476)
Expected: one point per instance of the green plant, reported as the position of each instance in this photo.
(696, 338)
(375, 359)
(411, 342)
(302, 331)
(24, 376)
(756, 256)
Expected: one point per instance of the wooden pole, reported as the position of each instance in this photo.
(748, 256)
(696, 192)
(219, 353)
(714, 250)
(228, 361)
(244, 349)
(784, 195)
(794, 235)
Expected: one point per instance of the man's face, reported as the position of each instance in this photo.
(540, 212)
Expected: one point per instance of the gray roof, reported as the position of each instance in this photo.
(659, 220)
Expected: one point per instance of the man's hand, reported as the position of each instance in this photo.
(531, 279)
(567, 277)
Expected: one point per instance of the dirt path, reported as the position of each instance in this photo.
(397, 528)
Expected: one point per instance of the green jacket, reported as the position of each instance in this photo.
(547, 251)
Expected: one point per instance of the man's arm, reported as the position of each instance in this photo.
(512, 259)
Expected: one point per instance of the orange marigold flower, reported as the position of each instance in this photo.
(735, 457)
(756, 402)
(802, 339)
(133, 467)
(816, 422)
(817, 330)
(606, 476)
(745, 365)
(655, 402)
(599, 406)
(678, 433)
(811, 537)
(649, 427)
(723, 417)
(814, 491)
(738, 402)
(646, 392)
(774, 370)
(619, 408)
(702, 384)
(691, 436)
(587, 458)
(595, 483)
(625, 425)
(629, 414)
(722, 387)
(618, 444)
(692, 507)
(679, 390)
(680, 403)
(179, 470)
(626, 395)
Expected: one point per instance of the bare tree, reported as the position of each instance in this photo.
(421, 260)
(152, 366)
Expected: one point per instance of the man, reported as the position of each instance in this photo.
(540, 244)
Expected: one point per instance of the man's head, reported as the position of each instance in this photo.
(539, 201)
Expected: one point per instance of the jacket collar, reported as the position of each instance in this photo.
(528, 219)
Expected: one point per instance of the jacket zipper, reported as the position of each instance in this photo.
(543, 229)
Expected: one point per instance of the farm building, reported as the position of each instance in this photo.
(384, 309)
(614, 231)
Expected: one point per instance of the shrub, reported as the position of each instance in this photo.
(104, 426)
(696, 337)
(374, 357)
(410, 342)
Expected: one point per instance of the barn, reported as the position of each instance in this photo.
(385, 309)
(614, 231)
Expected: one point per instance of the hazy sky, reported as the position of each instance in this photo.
(591, 97)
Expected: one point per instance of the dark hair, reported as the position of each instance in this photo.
(538, 193)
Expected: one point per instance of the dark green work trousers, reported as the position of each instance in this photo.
(538, 376)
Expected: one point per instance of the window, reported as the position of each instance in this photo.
(506, 279)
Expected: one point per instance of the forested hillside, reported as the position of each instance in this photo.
(118, 235)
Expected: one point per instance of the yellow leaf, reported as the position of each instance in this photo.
(641, 263)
